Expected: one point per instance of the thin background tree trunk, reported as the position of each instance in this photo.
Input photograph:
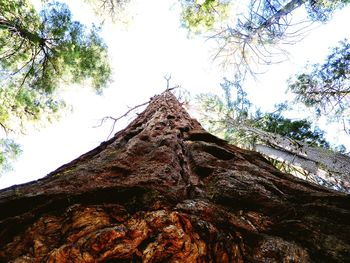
(165, 190)
(316, 160)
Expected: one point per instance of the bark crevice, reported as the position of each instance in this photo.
(165, 190)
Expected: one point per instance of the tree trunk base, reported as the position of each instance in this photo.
(165, 190)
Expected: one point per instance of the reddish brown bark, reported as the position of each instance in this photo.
(165, 190)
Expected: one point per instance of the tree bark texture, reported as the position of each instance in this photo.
(165, 190)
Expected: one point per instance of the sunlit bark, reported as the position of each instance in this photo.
(165, 190)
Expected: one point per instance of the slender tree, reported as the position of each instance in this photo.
(165, 190)
(292, 145)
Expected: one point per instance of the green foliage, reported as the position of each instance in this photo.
(226, 117)
(39, 52)
(300, 130)
(234, 119)
(322, 10)
(199, 16)
(271, 19)
(326, 86)
(41, 49)
(9, 150)
(253, 36)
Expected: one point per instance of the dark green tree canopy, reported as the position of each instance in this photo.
(39, 52)
(326, 87)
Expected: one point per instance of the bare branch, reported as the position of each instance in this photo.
(115, 119)
(167, 78)
(120, 117)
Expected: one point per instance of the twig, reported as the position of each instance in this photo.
(344, 127)
(167, 78)
(130, 110)
(4, 128)
(118, 118)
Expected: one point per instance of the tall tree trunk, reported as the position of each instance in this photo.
(309, 169)
(285, 10)
(165, 190)
(316, 160)
(290, 158)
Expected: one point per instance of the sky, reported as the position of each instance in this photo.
(151, 46)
